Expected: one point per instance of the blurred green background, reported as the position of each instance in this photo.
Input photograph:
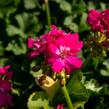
(20, 19)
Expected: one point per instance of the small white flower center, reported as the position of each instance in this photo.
(63, 51)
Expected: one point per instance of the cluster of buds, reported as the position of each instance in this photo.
(5, 87)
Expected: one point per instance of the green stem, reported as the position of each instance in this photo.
(48, 13)
(67, 97)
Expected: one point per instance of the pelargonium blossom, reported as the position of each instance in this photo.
(5, 71)
(59, 48)
(105, 19)
(99, 21)
(5, 86)
(94, 19)
(35, 45)
(50, 37)
(5, 100)
(63, 53)
(60, 106)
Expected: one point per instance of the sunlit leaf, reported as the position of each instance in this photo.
(79, 94)
(38, 100)
(30, 4)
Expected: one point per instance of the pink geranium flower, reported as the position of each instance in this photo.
(5, 71)
(5, 100)
(59, 48)
(105, 20)
(50, 37)
(5, 85)
(63, 53)
(60, 106)
(35, 45)
(94, 19)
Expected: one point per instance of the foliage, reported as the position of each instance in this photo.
(20, 19)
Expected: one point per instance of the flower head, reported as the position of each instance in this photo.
(5, 100)
(63, 53)
(105, 19)
(99, 22)
(59, 48)
(94, 20)
(5, 86)
(5, 71)
(35, 45)
(60, 106)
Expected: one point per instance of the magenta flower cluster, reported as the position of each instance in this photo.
(5, 87)
(99, 21)
(59, 48)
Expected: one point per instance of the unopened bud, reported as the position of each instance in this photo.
(62, 82)
(35, 68)
(67, 76)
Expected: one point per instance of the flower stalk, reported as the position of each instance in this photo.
(67, 97)
(48, 12)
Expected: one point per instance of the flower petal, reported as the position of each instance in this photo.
(30, 42)
(57, 66)
(75, 62)
(52, 48)
(51, 59)
(33, 54)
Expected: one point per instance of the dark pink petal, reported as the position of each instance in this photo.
(93, 17)
(61, 41)
(72, 37)
(7, 67)
(76, 47)
(33, 54)
(60, 106)
(30, 43)
(5, 86)
(51, 59)
(75, 62)
(9, 75)
(5, 100)
(2, 70)
(68, 68)
(57, 66)
(53, 27)
(37, 43)
(52, 48)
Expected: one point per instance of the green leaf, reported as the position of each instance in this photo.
(17, 47)
(105, 72)
(30, 4)
(91, 5)
(92, 85)
(65, 6)
(12, 30)
(78, 93)
(2, 61)
(8, 7)
(1, 49)
(68, 22)
(106, 63)
(105, 90)
(83, 24)
(38, 100)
